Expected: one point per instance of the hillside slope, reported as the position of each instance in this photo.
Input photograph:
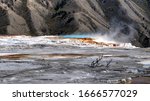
(129, 19)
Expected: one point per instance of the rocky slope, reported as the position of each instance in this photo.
(128, 19)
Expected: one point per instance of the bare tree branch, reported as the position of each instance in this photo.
(108, 63)
(96, 63)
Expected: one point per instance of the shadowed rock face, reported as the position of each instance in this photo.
(128, 18)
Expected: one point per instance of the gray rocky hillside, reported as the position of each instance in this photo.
(128, 18)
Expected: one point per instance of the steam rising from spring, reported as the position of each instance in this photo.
(119, 32)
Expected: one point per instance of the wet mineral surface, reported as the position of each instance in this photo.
(61, 60)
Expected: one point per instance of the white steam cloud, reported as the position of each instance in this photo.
(119, 32)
